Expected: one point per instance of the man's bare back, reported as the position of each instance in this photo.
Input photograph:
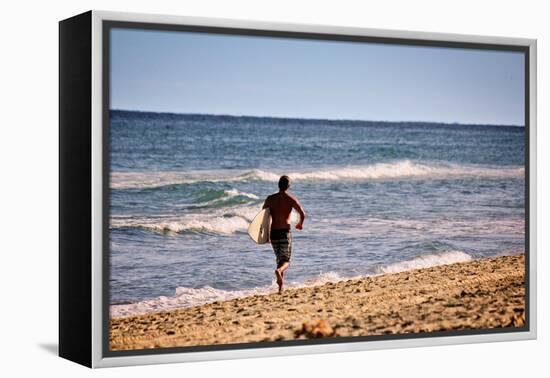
(280, 206)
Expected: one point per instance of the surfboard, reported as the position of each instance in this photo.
(258, 230)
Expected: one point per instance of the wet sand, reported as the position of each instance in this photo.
(485, 293)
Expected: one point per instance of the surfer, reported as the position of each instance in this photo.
(280, 206)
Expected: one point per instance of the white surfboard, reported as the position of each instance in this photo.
(259, 227)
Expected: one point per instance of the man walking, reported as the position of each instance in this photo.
(280, 207)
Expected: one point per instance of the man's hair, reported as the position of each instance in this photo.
(284, 183)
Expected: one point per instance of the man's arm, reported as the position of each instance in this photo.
(298, 207)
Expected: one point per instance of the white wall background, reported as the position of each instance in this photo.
(28, 191)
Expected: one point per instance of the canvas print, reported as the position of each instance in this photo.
(267, 189)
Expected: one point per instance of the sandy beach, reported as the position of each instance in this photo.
(484, 293)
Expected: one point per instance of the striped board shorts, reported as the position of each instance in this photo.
(281, 241)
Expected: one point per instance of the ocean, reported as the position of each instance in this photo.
(379, 197)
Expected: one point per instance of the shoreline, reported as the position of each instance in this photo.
(485, 293)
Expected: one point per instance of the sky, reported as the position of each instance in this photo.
(183, 72)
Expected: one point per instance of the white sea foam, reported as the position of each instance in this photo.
(183, 298)
(141, 180)
(224, 225)
(425, 261)
(406, 169)
(380, 171)
(222, 222)
(227, 195)
(236, 193)
(189, 297)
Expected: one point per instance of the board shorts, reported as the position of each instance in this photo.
(281, 241)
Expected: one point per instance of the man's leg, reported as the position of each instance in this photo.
(280, 272)
(282, 248)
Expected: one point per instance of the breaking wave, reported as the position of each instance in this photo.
(223, 223)
(226, 222)
(380, 171)
(211, 198)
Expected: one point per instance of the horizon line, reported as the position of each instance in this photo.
(315, 119)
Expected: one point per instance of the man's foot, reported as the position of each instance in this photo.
(279, 276)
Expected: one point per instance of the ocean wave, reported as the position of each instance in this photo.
(379, 171)
(186, 297)
(235, 193)
(218, 198)
(226, 222)
(426, 261)
(222, 225)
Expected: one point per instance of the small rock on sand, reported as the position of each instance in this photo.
(315, 329)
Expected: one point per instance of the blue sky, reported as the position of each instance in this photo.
(185, 72)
